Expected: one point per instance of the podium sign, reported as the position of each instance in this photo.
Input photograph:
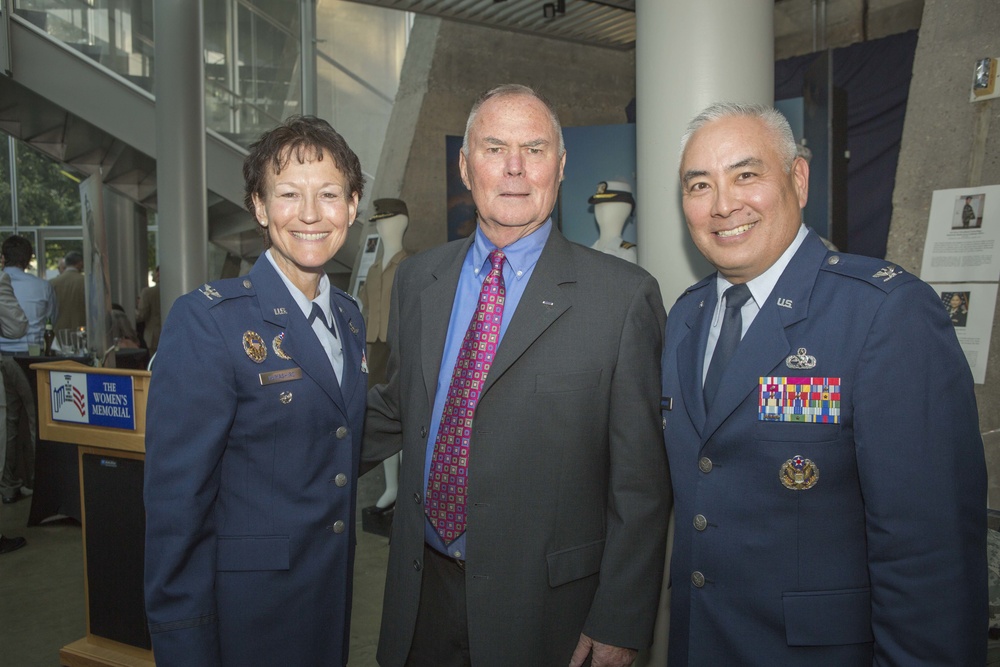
(93, 398)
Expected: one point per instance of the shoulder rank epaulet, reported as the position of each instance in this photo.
(697, 286)
(627, 245)
(878, 272)
(221, 290)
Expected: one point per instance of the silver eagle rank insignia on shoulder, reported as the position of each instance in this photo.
(887, 273)
(210, 292)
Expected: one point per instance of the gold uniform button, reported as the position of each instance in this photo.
(700, 522)
(705, 464)
(341, 433)
(340, 480)
(698, 579)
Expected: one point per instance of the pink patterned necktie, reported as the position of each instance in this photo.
(449, 474)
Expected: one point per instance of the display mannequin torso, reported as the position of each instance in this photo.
(611, 218)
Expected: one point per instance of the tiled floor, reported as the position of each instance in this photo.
(42, 600)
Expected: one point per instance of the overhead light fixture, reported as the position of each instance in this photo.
(551, 9)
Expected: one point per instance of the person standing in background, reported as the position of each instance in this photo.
(38, 301)
(14, 324)
(70, 288)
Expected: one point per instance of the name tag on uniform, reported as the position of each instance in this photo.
(811, 400)
(287, 375)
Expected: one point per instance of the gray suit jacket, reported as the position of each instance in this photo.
(568, 486)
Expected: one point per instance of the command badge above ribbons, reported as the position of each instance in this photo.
(98, 400)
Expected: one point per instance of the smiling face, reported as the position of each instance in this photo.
(513, 167)
(307, 209)
(742, 208)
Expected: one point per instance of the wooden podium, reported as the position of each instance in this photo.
(103, 412)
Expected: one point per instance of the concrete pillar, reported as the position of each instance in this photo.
(688, 55)
(307, 55)
(180, 147)
(122, 222)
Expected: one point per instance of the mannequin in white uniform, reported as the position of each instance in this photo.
(613, 206)
(391, 219)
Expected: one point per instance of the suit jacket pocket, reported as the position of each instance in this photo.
(574, 381)
(828, 618)
(795, 432)
(252, 553)
(577, 562)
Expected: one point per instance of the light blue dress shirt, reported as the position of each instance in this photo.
(521, 257)
(38, 301)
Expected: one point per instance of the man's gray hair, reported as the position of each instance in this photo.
(771, 117)
(508, 90)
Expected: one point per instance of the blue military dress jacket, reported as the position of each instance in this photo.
(852, 533)
(252, 453)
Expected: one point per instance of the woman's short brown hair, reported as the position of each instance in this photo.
(301, 137)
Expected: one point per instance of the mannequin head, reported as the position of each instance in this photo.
(392, 227)
(613, 205)
(391, 218)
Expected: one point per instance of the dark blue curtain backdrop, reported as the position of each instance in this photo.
(876, 78)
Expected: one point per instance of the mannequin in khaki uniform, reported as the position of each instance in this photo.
(391, 218)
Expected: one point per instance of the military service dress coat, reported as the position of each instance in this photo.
(252, 450)
(855, 535)
(568, 493)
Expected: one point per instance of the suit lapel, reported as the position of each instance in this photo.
(299, 342)
(765, 345)
(436, 301)
(544, 300)
(691, 354)
(350, 338)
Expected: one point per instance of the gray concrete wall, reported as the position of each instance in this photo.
(949, 142)
(448, 64)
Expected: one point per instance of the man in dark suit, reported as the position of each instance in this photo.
(829, 478)
(541, 540)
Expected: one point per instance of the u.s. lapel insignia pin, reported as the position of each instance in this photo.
(254, 346)
(276, 346)
(799, 474)
(800, 361)
(354, 329)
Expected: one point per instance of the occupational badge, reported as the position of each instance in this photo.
(364, 362)
(254, 346)
(276, 346)
(210, 292)
(799, 474)
(800, 361)
(888, 273)
(285, 397)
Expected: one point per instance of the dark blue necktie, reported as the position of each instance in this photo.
(729, 338)
(317, 314)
